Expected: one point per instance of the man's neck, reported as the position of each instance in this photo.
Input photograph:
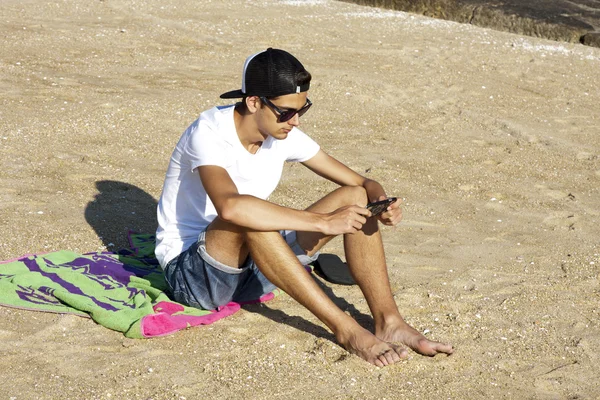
(247, 131)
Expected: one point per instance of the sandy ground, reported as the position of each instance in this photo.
(491, 138)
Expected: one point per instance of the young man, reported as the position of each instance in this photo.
(219, 239)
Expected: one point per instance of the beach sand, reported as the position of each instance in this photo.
(492, 140)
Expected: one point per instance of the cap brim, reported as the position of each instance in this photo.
(234, 94)
(331, 268)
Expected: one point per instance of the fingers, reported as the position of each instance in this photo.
(357, 221)
(357, 225)
(354, 216)
(357, 214)
(393, 215)
(395, 204)
(349, 219)
(361, 211)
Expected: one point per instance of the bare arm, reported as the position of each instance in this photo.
(261, 215)
(330, 168)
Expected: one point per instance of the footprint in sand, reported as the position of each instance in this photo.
(562, 219)
(585, 156)
(520, 132)
(555, 193)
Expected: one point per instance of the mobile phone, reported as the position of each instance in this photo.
(378, 207)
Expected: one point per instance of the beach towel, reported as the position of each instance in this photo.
(123, 290)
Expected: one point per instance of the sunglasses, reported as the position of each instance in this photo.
(286, 115)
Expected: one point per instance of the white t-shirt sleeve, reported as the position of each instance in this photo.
(301, 146)
(205, 147)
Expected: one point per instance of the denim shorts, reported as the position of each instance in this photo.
(198, 280)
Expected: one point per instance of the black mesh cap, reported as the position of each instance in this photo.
(269, 73)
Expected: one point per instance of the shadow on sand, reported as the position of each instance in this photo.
(120, 207)
(366, 321)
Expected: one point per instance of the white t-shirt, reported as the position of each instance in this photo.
(184, 208)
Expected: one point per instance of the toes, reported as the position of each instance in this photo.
(402, 352)
(444, 348)
(383, 360)
(389, 357)
(430, 348)
(395, 356)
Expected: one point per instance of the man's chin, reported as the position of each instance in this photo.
(280, 135)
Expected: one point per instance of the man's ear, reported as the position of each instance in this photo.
(253, 103)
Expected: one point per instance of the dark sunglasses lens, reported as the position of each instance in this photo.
(304, 109)
(287, 115)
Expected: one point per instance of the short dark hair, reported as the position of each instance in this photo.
(303, 77)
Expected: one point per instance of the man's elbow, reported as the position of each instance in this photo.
(229, 210)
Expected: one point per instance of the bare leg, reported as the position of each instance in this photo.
(225, 242)
(229, 244)
(280, 265)
(366, 260)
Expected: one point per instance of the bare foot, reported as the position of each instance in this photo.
(365, 345)
(400, 332)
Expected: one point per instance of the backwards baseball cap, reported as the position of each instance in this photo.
(270, 73)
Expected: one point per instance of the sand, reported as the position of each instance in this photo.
(491, 139)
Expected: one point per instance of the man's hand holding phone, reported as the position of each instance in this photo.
(387, 210)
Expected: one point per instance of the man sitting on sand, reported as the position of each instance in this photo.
(219, 239)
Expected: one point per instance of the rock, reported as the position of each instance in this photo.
(570, 21)
(591, 39)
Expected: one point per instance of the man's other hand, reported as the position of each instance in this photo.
(348, 219)
(393, 215)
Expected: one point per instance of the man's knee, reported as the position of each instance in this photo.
(354, 195)
(225, 234)
(256, 237)
(226, 242)
(219, 224)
